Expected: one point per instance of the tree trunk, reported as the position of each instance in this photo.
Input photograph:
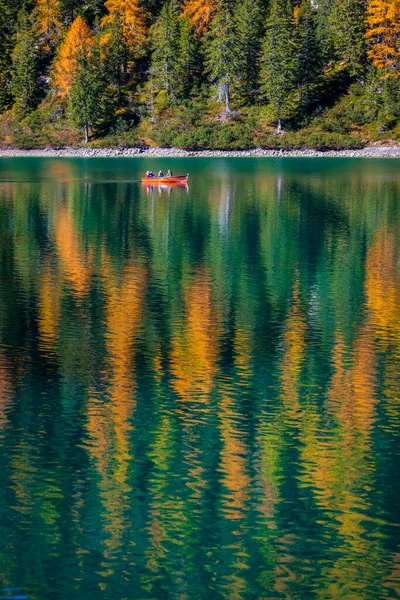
(228, 98)
(86, 133)
(279, 128)
(119, 83)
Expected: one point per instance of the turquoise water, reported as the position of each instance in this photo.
(199, 388)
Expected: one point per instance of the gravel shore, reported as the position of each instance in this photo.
(371, 152)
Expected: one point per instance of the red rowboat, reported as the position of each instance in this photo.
(178, 180)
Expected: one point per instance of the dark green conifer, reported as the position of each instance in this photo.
(347, 29)
(278, 61)
(222, 51)
(115, 55)
(248, 24)
(26, 90)
(165, 57)
(87, 90)
(5, 55)
(307, 54)
(189, 59)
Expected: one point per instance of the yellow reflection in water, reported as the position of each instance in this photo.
(194, 352)
(74, 264)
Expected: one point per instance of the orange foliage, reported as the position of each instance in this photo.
(132, 19)
(200, 13)
(293, 359)
(195, 349)
(6, 389)
(382, 286)
(74, 264)
(49, 309)
(78, 36)
(233, 462)
(48, 19)
(383, 35)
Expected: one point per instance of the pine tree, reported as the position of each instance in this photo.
(308, 54)
(222, 51)
(165, 63)
(248, 25)
(347, 32)
(70, 10)
(278, 61)
(114, 51)
(25, 71)
(200, 13)
(132, 21)
(189, 59)
(5, 56)
(383, 36)
(48, 20)
(87, 89)
(78, 36)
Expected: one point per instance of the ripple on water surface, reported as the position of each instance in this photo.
(199, 387)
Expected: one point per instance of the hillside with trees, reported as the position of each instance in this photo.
(199, 73)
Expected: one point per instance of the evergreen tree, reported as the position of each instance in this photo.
(70, 10)
(114, 50)
(222, 51)
(248, 25)
(25, 70)
(322, 19)
(5, 56)
(152, 8)
(189, 59)
(87, 89)
(165, 62)
(278, 61)
(347, 31)
(308, 54)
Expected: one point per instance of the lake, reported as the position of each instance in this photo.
(200, 388)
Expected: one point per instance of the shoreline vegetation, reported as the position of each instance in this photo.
(199, 76)
(71, 152)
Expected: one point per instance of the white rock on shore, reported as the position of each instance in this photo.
(70, 152)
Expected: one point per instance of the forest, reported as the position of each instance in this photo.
(199, 73)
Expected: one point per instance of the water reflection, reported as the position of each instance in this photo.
(199, 388)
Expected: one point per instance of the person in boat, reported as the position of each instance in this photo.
(160, 174)
(149, 174)
(169, 173)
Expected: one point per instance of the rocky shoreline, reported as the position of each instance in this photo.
(71, 152)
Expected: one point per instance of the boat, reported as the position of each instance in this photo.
(175, 180)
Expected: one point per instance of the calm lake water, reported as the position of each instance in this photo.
(200, 389)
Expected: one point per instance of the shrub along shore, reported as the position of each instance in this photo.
(71, 152)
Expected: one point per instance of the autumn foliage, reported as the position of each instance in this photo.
(48, 19)
(132, 19)
(200, 13)
(383, 36)
(78, 36)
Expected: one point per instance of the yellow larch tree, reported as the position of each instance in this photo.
(200, 13)
(48, 20)
(78, 36)
(383, 36)
(132, 20)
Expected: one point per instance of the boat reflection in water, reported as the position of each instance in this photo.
(161, 188)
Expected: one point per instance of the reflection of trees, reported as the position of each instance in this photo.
(222, 372)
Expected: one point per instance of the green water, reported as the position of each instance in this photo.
(200, 389)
